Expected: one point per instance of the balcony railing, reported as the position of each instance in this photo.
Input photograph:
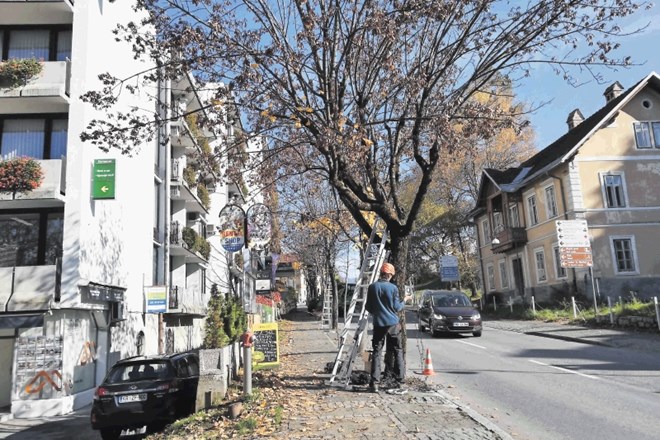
(29, 288)
(174, 298)
(52, 84)
(509, 238)
(33, 12)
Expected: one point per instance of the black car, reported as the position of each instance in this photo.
(448, 311)
(145, 390)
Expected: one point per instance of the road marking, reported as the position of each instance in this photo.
(470, 343)
(564, 369)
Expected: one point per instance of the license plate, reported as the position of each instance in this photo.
(461, 324)
(128, 398)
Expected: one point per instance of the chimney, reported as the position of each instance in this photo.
(574, 119)
(613, 91)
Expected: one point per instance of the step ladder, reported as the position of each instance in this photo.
(326, 313)
(357, 318)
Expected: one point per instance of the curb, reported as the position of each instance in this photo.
(477, 417)
(567, 338)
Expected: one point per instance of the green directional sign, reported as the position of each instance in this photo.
(103, 179)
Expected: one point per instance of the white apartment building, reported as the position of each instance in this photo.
(108, 258)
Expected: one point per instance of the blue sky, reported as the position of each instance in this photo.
(544, 85)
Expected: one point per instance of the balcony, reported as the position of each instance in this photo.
(36, 11)
(34, 288)
(186, 301)
(49, 194)
(180, 248)
(46, 93)
(509, 238)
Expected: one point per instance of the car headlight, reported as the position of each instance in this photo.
(475, 317)
(436, 316)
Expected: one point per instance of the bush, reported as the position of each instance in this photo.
(189, 237)
(203, 194)
(18, 72)
(226, 320)
(20, 175)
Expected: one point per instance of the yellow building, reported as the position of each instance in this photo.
(605, 170)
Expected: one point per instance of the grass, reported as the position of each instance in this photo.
(563, 312)
(246, 425)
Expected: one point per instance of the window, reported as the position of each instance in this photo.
(539, 257)
(47, 44)
(514, 216)
(38, 138)
(559, 271)
(550, 202)
(203, 285)
(623, 251)
(647, 134)
(504, 276)
(485, 227)
(491, 277)
(613, 190)
(497, 223)
(533, 212)
(31, 239)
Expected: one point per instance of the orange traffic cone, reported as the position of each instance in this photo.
(428, 364)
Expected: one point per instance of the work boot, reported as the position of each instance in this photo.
(373, 387)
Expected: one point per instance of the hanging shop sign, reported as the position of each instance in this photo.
(155, 299)
(259, 225)
(232, 228)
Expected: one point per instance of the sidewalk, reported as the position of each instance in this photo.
(425, 412)
(644, 341)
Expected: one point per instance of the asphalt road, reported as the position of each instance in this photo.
(537, 388)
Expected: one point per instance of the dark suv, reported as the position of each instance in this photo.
(145, 390)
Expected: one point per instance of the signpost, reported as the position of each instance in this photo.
(575, 248)
(103, 179)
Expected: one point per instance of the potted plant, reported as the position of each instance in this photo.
(20, 175)
(15, 73)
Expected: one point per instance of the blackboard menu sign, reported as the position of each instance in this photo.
(266, 351)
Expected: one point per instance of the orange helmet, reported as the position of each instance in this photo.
(387, 268)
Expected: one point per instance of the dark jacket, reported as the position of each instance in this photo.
(383, 303)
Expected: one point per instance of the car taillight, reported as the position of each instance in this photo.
(170, 387)
(100, 392)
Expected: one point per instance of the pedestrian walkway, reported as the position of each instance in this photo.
(423, 412)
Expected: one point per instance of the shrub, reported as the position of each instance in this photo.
(203, 247)
(20, 175)
(189, 237)
(226, 320)
(203, 194)
(190, 176)
(18, 72)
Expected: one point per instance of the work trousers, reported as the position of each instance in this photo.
(392, 336)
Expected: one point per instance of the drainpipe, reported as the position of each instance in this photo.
(164, 131)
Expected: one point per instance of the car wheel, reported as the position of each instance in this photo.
(110, 433)
(476, 334)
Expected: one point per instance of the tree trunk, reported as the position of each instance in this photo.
(399, 258)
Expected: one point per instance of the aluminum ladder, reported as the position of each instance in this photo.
(357, 317)
(326, 313)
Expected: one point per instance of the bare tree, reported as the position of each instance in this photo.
(365, 94)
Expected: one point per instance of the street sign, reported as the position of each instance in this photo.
(449, 268)
(103, 179)
(575, 257)
(572, 233)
